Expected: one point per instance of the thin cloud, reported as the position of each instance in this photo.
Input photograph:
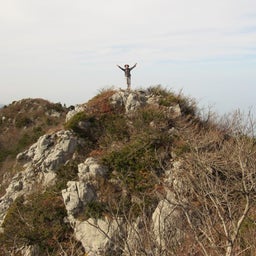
(55, 42)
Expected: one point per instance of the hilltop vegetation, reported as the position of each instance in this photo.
(182, 184)
(22, 123)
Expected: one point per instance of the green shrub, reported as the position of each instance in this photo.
(187, 105)
(25, 140)
(169, 100)
(141, 156)
(38, 220)
(73, 123)
(94, 209)
(23, 122)
(85, 126)
(143, 119)
(130, 158)
(3, 154)
(57, 107)
(113, 127)
(66, 173)
(102, 128)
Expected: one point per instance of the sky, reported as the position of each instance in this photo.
(67, 51)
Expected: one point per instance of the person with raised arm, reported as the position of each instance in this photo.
(127, 73)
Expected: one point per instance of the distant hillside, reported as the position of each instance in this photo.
(22, 123)
(126, 173)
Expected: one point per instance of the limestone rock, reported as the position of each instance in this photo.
(76, 196)
(90, 169)
(50, 151)
(175, 111)
(167, 222)
(130, 100)
(40, 162)
(98, 236)
(168, 218)
(81, 192)
(77, 109)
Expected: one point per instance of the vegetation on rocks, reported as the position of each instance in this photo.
(21, 124)
(36, 220)
(196, 177)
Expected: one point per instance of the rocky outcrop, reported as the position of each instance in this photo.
(130, 100)
(90, 170)
(107, 235)
(75, 110)
(79, 193)
(76, 196)
(49, 151)
(98, 236)
(168, 219)
(40, 162)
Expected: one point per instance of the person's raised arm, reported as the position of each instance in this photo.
(121, 67)
(133, 66)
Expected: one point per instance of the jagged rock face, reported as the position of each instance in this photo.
(103, 235)
(96, 235)
(40, 162)
(50, 151)
(81, 192)
(167, 223)
(168, 219)
(90, 170)
(130, 100)
(76, 196)
(77, 109)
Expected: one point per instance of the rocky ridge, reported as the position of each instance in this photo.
(135, 195)
(51, 151)
(39, 163)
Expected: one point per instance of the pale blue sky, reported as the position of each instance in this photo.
(66, 51)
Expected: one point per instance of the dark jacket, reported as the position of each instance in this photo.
(127, 70)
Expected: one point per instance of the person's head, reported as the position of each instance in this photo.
(126, 66)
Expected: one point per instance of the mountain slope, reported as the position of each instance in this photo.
(132, 172)
(22, 123)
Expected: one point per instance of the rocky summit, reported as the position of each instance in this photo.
(140, 172)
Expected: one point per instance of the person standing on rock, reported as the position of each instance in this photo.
(127, 73)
